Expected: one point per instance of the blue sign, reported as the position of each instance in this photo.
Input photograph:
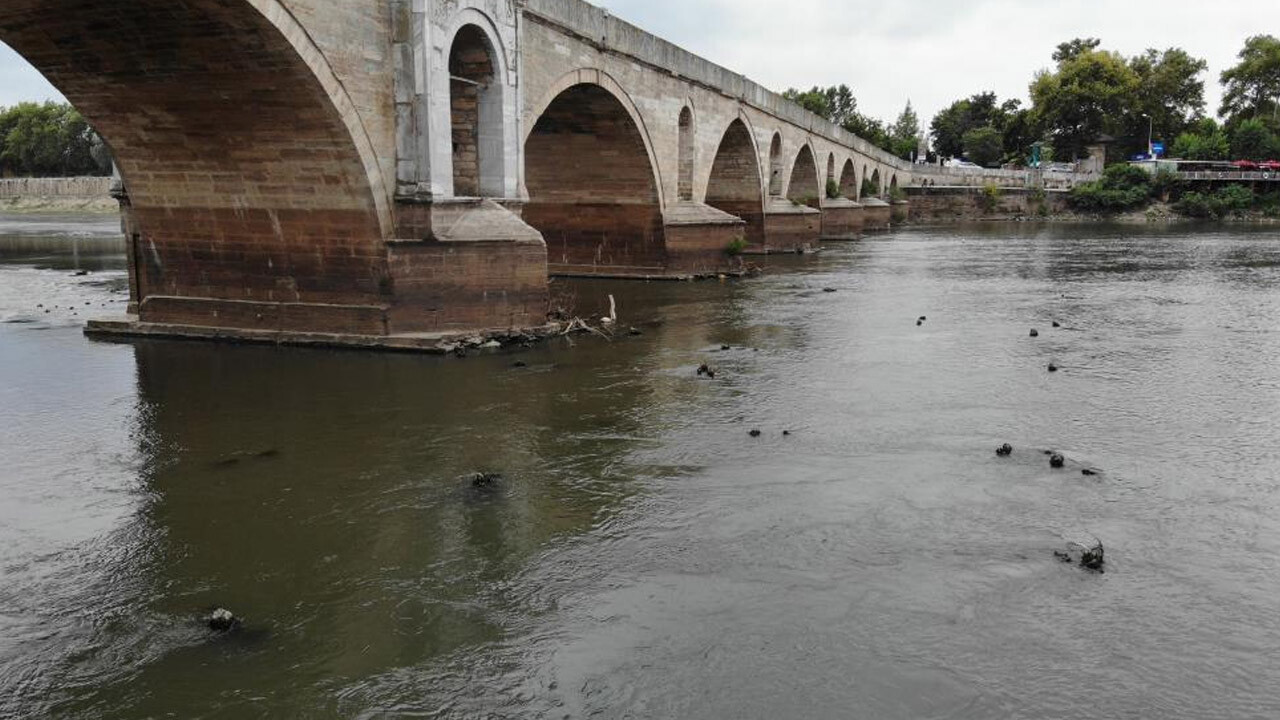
(1157, 149)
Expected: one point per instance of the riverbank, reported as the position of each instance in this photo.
(931, 207)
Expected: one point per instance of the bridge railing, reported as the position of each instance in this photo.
(1230, 175)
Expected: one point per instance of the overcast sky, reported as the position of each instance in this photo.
(929, 51)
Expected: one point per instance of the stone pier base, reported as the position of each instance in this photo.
(877, 215)
(841, 219)
(789, 228)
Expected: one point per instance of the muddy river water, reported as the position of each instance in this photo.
(642, 555)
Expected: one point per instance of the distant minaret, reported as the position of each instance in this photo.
(922, 148)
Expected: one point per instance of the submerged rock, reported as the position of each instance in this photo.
(1056, 460)
(1035, 333)
(707, 370)
(486, 480)
(222, 620)
(1088, 553)
(1053, 368)
(1056, 324)
(1004, 450)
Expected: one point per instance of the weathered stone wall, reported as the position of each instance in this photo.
(938, 204)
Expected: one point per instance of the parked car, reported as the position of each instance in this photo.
(1270, 166)
(1245, 165)
(958, 163)
(1060, 168)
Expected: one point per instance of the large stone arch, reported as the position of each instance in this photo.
(593, 186)
(734, 184)
(804, 188)
(250, 174)
(593, 76)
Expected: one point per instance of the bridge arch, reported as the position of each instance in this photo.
(250, 173)
(735, 185)
(476, 110)
(849, 180)
(803, 187)
(877, 183)
(593, 185)
(831, 170)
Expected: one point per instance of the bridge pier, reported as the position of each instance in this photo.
(702, 240)
(842, 219)
(789, 227)
(877, 214)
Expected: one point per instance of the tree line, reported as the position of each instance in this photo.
(1087, 94)
(837, 104)
(49, 140)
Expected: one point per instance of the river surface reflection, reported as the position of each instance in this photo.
(644, 556)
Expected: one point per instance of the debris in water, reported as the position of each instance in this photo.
(1035, 333)
(1053, 368)
(1056, 324)
(707, 370)
(1089, 473)
(1004, 450)
(755, 433)
(1057, 461)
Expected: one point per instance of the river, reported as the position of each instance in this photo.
(643, 556)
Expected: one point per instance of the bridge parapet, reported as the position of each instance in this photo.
(599, 27)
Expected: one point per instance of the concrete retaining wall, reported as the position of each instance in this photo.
(75, 187)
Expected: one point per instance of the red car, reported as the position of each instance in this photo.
(1245, 165)
(1270, 166)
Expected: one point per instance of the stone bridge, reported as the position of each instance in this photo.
(373, 169)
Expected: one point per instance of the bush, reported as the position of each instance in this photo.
(1122, 188)
(897, 194)
(736, 247)
(1199, 205)
(833, 189)
(1164, 184)
(1268, 202)
(1235, 197)
(869, 189)
(990, 198)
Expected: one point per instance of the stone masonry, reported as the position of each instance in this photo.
(383, 168)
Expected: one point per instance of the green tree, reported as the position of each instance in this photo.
(950, 125)
(49, 139)
(1169, 97)
(838, 105)
(1205, 140)
(1073, 49)
(905, 133)
(1089, 95)
(984, 146)
(1253, 140)
(1252, 87)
